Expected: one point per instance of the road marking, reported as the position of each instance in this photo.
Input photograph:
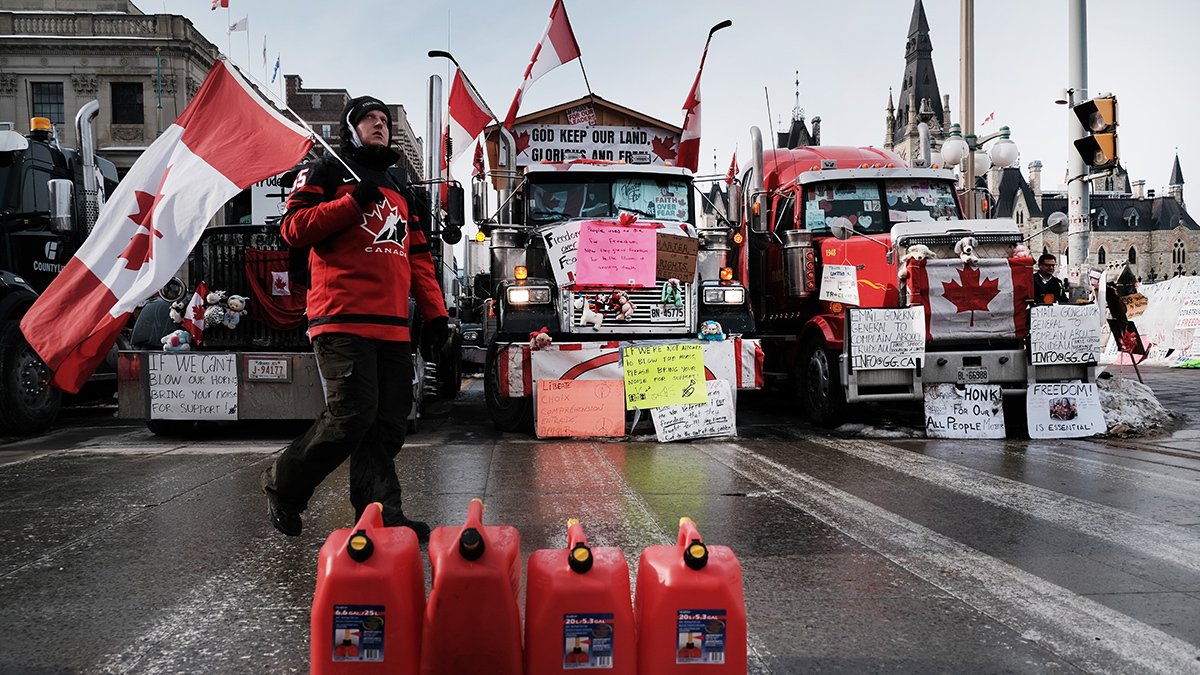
(1168, 543)
(1087, 634)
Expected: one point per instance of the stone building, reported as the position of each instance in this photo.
(920, 99)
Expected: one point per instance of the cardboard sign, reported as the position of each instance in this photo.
(886, 338)
(975, 411)
(676, 257)
(715, 418)
(1064, 333)
(565, 408)
(562, 250)
(1064, 411)
(661, 375)
(839, 283)
(193, 386)
(615, 255)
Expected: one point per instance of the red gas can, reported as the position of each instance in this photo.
(370, 598)
(690, 608)
(472, 621)
(577, 609)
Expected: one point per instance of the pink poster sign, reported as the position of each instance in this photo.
(616, 255)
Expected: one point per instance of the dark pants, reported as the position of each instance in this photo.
(368, 396)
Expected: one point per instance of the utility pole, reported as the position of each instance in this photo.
(966, 85)
(1078, 202)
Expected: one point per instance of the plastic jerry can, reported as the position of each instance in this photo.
(577, 610)
(690, 608)
(472, 620)
(369, 601)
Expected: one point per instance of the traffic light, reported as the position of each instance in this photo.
(1099, 118)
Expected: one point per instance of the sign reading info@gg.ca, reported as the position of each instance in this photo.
(193, 386)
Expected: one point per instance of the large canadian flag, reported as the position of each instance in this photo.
(558, 46)
(466, 115)
(973, 302)
(226, 140)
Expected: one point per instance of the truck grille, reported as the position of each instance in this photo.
(643, 299)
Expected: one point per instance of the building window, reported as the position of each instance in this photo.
(128, 106)
(1179, 253)
(1131, 218)
(1020, 217)
(1101, 256)
(47, 100)
(1132, 256)
(1101, 218)
(326, 131)
(316, 101)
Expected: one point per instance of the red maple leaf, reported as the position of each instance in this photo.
(522, 140)
(971, 295)
(197, 313)
(280, 284)
(141, 249)
(663, 147)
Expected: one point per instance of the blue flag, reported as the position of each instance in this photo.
(276, 70)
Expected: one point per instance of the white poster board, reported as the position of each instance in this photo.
(1189, 315)
(887, 338)
(193, 386)
(562, 250)
(1064, 333)
(839, 283)
(698, 420)
(974, 411)
(267, 200)
(1064, 411)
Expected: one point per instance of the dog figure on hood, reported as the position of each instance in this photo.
(965, 250)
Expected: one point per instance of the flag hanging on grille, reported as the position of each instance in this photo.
(973, 302)
(558, 46)
(226, 140)
(193, 315)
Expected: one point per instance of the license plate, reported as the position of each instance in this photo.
(268, 370)
(661, 313)
(972, 375)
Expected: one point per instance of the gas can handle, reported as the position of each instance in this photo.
(474, 513)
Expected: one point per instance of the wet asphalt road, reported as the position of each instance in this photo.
(121, 552)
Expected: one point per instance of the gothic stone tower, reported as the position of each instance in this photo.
(920, 100)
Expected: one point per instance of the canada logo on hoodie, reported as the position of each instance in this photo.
(386, 224)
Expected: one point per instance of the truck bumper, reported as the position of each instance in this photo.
(737, 360)
(218, 385)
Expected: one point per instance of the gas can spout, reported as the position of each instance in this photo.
(695, 553)
(579, 554)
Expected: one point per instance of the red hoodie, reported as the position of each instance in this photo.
(363, 264)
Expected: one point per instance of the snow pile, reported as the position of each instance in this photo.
(1130, 407)
(868, 431)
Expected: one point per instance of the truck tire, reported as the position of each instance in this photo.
(509, 413)
(820, 385)
(172, 428)
(450, 370)
(28, 404)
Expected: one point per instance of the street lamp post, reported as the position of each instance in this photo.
(968, 151)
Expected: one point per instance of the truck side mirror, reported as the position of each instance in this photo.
(755, 215)
(451, 234)
(454, 206)
(842, 228)
(62, 193)
(479, 201)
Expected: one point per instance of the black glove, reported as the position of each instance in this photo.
(436, 332)
(366, 193)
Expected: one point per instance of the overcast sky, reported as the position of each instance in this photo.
(643, 55)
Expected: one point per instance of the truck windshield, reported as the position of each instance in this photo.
(862, 202)
(657, 198)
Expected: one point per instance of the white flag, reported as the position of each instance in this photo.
(241, 24)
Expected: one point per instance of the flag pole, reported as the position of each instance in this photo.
(580, 57)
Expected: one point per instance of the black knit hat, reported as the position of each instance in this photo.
(356, 109)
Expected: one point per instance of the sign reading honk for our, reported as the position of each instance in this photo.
(660, 375)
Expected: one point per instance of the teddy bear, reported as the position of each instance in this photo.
(540, 339)
(177, 341)
(622, 305)
(235, 308)
(672, 293)
(592, 312)
(178, 308)
(711, 330)
(1020, 250)
(965, 250)
(914, 252)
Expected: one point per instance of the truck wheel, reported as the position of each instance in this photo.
(450, 370)
(820, 385)
(509, 413)
(28, 404)
(172, 428)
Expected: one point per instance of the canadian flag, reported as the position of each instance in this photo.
(972, 302)
(220, 3)
(466, 115)
(477, 167)
(558, 46)
(689, 140)
(733, 169)
(193, 317)
(225, 141)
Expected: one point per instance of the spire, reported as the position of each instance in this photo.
(1176, 173)
(920, 80)
(797, 111)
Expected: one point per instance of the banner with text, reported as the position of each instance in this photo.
(974, 411)
(1064, 333)
(567, 408)
(538, 143)
(192, 386)
(661, 375)
(886, 338)
(615, 255)
(1064, 411)
(715, 418)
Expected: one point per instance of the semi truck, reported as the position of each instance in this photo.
(50, 198)
(527, 286)
(813, 215)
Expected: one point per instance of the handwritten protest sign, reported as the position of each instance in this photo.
(1064, 333)
(975, 411)
(661, 375)
(193, 386)
(1189, 315)
(701, 420)
(562, 250)
(567, 408)
(886, 338)
(839, 283)
(615, 255)
(1064, 411)
(676, 257)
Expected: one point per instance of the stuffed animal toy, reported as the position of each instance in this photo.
(965, 250)
(235, 308)
(914, 252)
(214, 315)
(711, 330)
(1020, 250)
(621, 304)
(177, 309)
(591, 311)
(540, 339)
(672, 293)
(177, 341)
(215, 297)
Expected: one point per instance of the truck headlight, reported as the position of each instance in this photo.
(724, 295)
(470, 335)
(529, 295)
